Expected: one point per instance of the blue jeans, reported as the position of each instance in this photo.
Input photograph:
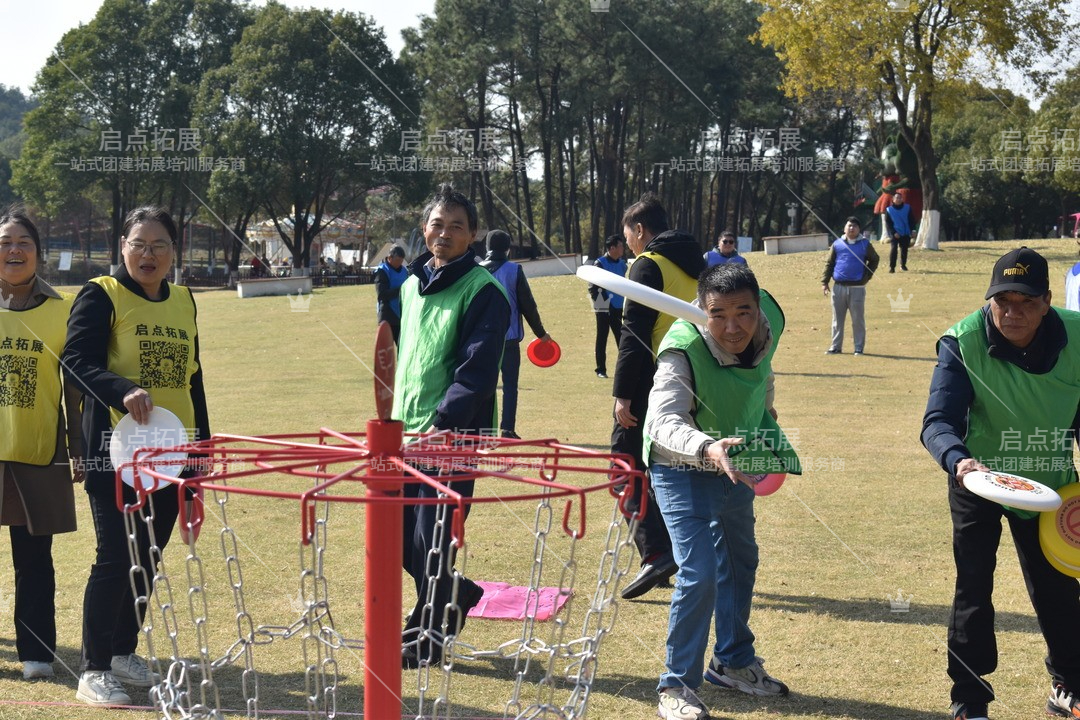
(711, 523)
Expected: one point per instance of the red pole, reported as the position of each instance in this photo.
(382, 575)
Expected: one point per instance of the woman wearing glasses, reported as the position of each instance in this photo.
(132, 344)
(36, 496)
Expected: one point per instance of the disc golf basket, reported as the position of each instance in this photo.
(234, 628)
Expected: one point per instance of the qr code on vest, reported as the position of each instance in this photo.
(18, 380)
(162, 364)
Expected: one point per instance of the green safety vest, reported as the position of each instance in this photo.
(428, 349)
(731, 399)
(1019, 426)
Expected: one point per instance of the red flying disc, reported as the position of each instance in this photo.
(543, 354)
(769, 484)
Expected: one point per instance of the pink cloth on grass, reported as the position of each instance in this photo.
(503, 601)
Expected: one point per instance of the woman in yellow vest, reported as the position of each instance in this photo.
(132, 344)
(37, 500)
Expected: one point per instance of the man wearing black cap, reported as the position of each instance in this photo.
(512, 278)
(1004, 397)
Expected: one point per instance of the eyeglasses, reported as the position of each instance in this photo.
(156, 248)
(727, 242)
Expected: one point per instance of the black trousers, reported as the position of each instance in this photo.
(1055, 598)
(111, 622)
(610, 320)
(511, 371)
(904, 243)
(426, 567)
(35, 595)
(651, 537)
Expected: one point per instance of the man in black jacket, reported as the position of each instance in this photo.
(670, 261)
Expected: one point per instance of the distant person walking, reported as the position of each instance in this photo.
(725, 251)
(512, 278)
(607, 306)
(852, 262)
(898, 222)
(1072, 287)
(389, 277)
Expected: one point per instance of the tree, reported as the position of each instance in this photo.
(909, 54)
(311, 111)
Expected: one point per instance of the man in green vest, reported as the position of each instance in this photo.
(710, 436)
(1005, 396)
(454, 318)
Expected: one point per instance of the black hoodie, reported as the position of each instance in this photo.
(636, 364)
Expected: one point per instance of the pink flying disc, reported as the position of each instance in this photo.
(543, 354)
(769, 484)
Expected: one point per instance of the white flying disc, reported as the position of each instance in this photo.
(643, 294)
(1012, 490)
(163, 430)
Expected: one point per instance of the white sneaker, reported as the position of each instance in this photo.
(752, 679)
(133, 670)
(681, 703)
(99, 687)
(34, 669)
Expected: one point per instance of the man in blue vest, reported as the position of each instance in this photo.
(454, 317)
(389, 277)
(1007, 370)
(512, 278)
(607, 306)
(725, 251)
(898, 223)
(852, 262)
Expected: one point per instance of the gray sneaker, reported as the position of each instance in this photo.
(680, 703)
(101, 688)
(133, 670)
(752, 679)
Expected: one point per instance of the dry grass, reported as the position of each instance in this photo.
(870, 517)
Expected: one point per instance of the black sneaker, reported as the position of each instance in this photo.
(1062, 703)
(967, 711)
(652, 573)
(510, 435)
(601, 374)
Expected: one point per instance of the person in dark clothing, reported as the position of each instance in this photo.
(454, 317)
(607, 306)
(898, 221)
(120, 325)
(389, 277)
(512, 278)
(670, 261)
(1009, 367)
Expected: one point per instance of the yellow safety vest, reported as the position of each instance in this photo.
(677, 284)
(30, 345)
(153, 344)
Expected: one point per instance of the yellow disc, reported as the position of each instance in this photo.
(1059, 532)
(1063, 568)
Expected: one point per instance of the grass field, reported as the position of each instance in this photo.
(869, 516)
